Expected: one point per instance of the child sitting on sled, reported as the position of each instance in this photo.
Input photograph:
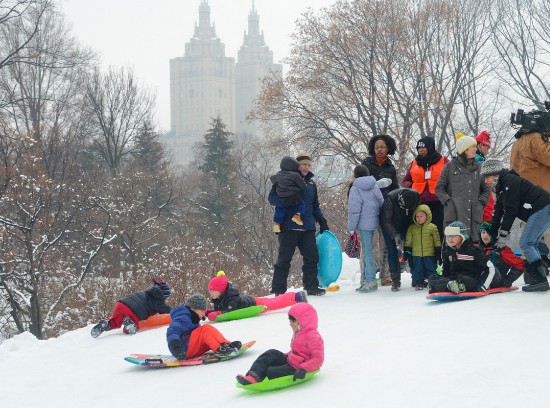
(226, 298)
(306, 353)
(135, 307)
(187, 338)
(508, 266)
(463, 263)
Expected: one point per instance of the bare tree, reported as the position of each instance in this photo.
(17, 16)
(119, 108)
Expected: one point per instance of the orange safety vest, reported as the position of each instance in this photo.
(417, 175)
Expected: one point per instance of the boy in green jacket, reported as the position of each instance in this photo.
(423, 244)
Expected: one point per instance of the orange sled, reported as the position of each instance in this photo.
(155, 320)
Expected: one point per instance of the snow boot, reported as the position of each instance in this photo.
(396, 282)
(539, 281)
(250, 378)
(129, 326)
(297, 219)
(316, 292)
(103, 325)
(225, 350)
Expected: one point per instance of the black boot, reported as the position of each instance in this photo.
(510, 277)
(395, 282)
(539, 279)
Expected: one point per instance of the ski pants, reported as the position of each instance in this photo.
(119, 313)
(204, 338)
(438, 283)
(272, 364)
(278, 302)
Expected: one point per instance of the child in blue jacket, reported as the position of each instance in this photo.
(187, 338)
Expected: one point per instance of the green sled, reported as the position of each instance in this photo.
(276, 383)
(240, 314)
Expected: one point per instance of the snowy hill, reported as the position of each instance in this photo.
(382, 349)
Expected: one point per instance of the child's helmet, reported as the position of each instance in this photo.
(163, 286)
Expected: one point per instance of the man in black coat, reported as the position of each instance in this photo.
(396, 216)
(519, 198)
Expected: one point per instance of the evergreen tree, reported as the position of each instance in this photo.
(216, 165)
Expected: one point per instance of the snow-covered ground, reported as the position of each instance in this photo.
(382, 349)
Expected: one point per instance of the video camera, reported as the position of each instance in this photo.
(534, 121)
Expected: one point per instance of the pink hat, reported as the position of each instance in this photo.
(484, 138)
(219, 283)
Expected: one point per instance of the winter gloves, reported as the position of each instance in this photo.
(300, 374)
(213, 314)
(407, 253)
(176, 350)
(502, 241)
(323, 226)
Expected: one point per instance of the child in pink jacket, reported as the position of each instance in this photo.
(306, 354)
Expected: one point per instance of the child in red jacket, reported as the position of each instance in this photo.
(507, 264)
(306, 353)
(136, 306)
(227, 298)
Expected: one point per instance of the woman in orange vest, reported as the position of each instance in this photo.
(422, 176)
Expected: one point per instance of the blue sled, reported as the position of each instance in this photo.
(330, 258)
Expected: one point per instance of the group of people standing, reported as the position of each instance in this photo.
(453, 198)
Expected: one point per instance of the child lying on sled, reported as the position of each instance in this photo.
(226, 298)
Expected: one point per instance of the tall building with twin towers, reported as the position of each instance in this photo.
(204, 83)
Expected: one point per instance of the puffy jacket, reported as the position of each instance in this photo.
(231, 300)
(288, 182)
(398, 209)
(147, 302)
(312, 212)
(469, 260)
(184, 321)
(365, 201)
(307, 348)
(423, 239)
(386, 170)
(516, 198)
(530, 158)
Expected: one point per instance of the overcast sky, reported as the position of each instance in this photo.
(145, 34)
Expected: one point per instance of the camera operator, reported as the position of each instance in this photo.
(530, 158)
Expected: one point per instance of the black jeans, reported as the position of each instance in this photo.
(288, 241)
(272, 364)
(438, 283)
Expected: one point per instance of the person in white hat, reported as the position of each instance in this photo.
(461, 189)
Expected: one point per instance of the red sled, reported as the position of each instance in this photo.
(450, 296)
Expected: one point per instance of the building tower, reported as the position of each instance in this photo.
(202, 86)
(255, 61)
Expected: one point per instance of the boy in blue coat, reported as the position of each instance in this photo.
(187, 338)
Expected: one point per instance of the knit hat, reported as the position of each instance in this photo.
(457, 228)
(219, 283)
(464, 142)
(304, 158)
(163, 286)
(196, 301)
(484, 138)
(491, 167)
(488, 228)
(427, 142)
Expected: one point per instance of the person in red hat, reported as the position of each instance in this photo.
(226, 298)
(483, 145)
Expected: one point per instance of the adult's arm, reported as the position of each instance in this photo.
(442, 185)
(407, 180)
(387, 215)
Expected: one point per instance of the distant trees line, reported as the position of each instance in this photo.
(91, 205)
